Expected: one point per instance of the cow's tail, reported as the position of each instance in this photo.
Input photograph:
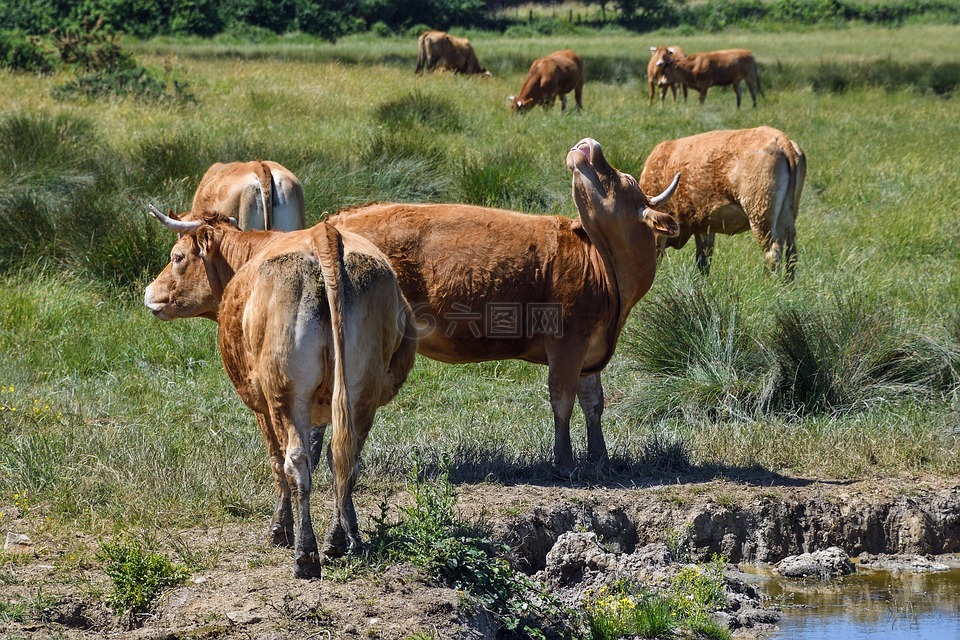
(422, 54)
(344, 442)
(797, 168)
(756, 74)
(265, 177)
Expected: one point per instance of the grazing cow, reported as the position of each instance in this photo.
(313, 329)
(260, 194)
(707, 69)
(489, 284)
(555, 75)
(440, 49)
(656, 77)
(732, 181)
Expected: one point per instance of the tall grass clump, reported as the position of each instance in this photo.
(506, 179)
(419, 109)
(700, 355)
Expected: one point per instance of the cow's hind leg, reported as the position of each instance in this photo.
(296, 468)
(590, 395)
(281, 525)
(704, 250)
(738, 89)
(343, 536)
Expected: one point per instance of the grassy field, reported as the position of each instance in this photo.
(109, 418)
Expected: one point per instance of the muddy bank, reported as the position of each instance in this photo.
(741, 521)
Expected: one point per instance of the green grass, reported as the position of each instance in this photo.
(116, 419)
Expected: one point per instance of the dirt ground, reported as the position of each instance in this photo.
(249, 592)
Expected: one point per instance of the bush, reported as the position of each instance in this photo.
(20, 52)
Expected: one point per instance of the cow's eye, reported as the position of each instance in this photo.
(176, 258)
(630, 179)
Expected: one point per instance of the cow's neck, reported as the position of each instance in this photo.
(623, 260)
(235, 251)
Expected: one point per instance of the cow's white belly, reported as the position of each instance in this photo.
(729, 219)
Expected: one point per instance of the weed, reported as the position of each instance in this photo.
(138, 575)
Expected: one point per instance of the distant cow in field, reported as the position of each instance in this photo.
(313, 329)
(732, 181)
(656, 76)
(555, 75)
(489, 284)
(438, 49)
(260, 194)
(707, 69)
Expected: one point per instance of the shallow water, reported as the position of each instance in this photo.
(870, 605)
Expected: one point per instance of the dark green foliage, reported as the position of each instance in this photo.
(138, 574)
(138, 83)
(20, 52)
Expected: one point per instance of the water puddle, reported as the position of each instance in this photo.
(869, 605)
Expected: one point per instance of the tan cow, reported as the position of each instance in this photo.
(489, 284)
(260, 194)
(438, 49)
(733, 181)
(657, 78)
(707, 69)
(313, 329)
(555, 75)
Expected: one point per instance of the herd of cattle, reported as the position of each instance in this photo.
(320, 326)
(561, 72)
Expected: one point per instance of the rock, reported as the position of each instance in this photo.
(901, 562)
(243, 617)
(829, 563)
(18, 543)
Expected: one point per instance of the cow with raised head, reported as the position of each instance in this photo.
(260, 194)
(313, 329)
(555, 75)
(733, 181)
(656, 78)
(489, 284)
(707, 69)
(440, 50)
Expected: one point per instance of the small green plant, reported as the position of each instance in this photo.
(138, 575)
(433, 537)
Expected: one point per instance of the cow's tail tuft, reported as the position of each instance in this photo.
(265, 177)
(344, 442)
(797, 168)
(422, 54)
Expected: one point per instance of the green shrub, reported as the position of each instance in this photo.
(20, 52)
(417, 109)
(138, 575)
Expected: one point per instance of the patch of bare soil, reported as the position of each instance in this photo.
(57, 588)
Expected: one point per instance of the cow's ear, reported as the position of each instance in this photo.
(206, 240)
(662, 223)
(653, 49)
(671, 50)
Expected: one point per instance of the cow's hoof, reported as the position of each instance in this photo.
(567, 473)
(281, 537)
(308, 566)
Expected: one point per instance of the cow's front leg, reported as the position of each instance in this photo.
(316, 444)
(704, 250)
(563, 103)
(562, 381)
(590, 395)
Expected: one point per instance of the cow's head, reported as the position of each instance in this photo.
(517, 105)
(190, 285)
(604, 195)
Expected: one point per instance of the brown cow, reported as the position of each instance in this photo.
(260, 194)
(489, 284)
(555, 75)
(440, 49)
(656, 77)
(313, 329)
(707, 69)
(733, 181)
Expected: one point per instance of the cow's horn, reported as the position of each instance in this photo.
(174, 225)
(667, 193)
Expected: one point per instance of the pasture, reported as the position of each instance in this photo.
(111, 419)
